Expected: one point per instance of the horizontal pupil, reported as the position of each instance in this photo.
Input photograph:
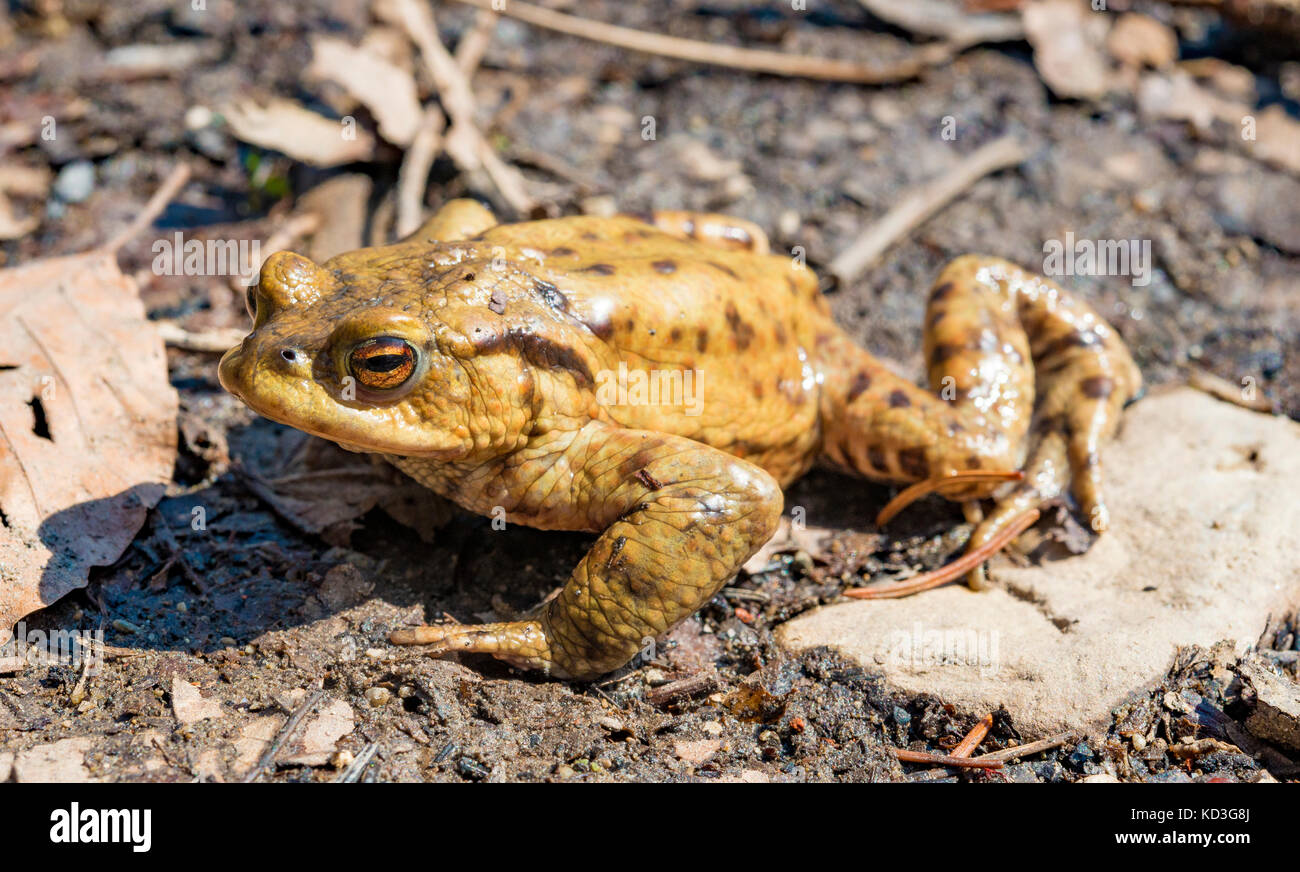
(383, 362)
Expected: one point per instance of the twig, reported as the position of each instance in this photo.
(945, 760)
(290, 727)
(413, 177)
(755, 60)
(1222, 389)
(1026, 750)
(692, 685)
(358, 766)
(464, 142)
(919, 205)
(470, 49)
(967, 746)
(214, 341)
(171, 186)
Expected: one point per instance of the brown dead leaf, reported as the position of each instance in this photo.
(1069, 46)
(387, 90)
(323, 490)
(1139, 40)
(87, 425)
(334, 721)
(697, 751)
(303, 135)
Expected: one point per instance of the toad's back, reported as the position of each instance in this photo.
(704, 342)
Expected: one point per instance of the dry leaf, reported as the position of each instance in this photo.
(1277, 139)
(1139, 40)
(1068, 40)
(61, 762)
(189, 706)
(698, 751)
(321, 733)
(87, 425)
(323, 490)
(387, 90)
(303, 135)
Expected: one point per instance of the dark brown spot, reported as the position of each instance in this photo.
(1097, 387)
(876, 457)
(600, 327)
(643, 476)
(899, 400)
(701, 340)
(740, 329)
(723, 268)
(944, 352)
(664, 266)
(974, 462)
(598, 269)
(780, 335)
(861, 382)
(675, 334)
(942, 292)
(564, 251)
(550, 355)
(912, 462)
(630, 325)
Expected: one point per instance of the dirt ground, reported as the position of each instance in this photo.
(260, 614)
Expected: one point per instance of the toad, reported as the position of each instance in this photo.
(658, 380)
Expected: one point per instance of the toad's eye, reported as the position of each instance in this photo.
(382, 364)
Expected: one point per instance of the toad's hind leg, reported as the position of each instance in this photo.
(678, 519)
(996, 337)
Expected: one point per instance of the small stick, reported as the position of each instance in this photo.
(1026, 750)
(472, 46)
(464, 142)
(967, 746)
(754, 60)
(358, 766)
(413, 177)
(945, 760)
(913, 493)
(1222, 389)
(916, 207)
(692, 685)
(171, 186)
(945, 574)
(215, 341)
(290, 726)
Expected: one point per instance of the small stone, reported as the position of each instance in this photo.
(123, 626)
(342, 759)
(378, 696)
(75, 182)
(1139, 741)
(712, 728)
(1099, 778)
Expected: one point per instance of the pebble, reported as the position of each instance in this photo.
(75, 182)
(378, 696)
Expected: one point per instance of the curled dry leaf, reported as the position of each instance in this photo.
(87, 425)
(287, 127)
(387, 90)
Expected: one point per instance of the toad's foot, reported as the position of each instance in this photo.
(677, 519)
(520, 643)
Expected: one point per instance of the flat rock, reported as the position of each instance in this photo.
(1202, 547)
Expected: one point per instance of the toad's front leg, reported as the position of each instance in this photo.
(677, 518)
